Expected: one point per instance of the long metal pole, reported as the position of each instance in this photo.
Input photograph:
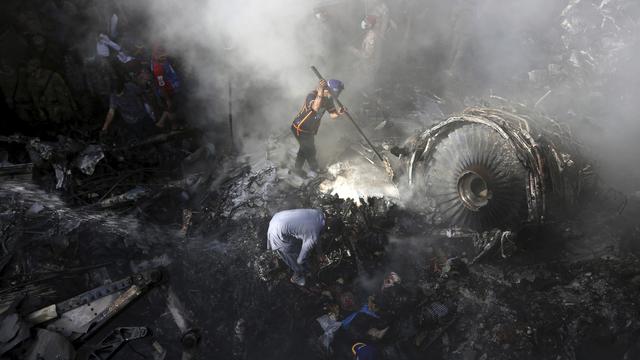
(337, 101)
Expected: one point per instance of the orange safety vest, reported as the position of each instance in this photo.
(298, 124)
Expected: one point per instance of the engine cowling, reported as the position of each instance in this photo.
(491, 168)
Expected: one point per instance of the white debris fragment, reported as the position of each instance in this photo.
(356, 179)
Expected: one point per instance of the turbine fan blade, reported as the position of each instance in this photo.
(479, 149)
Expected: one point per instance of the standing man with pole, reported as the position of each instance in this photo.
(307, 122)
(337, 102)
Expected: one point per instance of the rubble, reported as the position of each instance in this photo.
(50, 345)
(110, 345)
(14, 331)
(552, 272)
(89, 158)
(444, 305)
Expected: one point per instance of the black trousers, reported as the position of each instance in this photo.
(289, 254)
(307, 150)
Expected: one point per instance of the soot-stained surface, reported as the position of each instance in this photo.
(545, 301)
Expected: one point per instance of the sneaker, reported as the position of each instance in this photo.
(298, 279)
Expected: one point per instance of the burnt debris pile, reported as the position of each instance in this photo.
(440, 293)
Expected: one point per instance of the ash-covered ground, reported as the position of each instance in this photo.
(85, 202)
(570, 290)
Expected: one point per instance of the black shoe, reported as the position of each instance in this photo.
(300, 173)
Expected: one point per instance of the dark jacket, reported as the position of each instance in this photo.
(307, 120)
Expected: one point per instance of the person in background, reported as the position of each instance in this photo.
(368, 56)
(293, 234)
(167, 84)
(127, 101)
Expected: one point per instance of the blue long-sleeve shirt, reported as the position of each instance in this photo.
(295, 225)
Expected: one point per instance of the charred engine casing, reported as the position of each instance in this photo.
(489, 168)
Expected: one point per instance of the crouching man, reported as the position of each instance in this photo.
(293, 234)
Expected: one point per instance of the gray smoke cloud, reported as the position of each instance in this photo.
(580, 52)
(249, 42)
(264, 49)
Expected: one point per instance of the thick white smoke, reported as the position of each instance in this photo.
(454, 49)
(263, 48)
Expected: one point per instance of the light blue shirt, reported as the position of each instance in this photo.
(295, 225)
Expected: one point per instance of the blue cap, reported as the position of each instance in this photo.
(336, 86)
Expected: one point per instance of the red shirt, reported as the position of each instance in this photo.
(161, 81)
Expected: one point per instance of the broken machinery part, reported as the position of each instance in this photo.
(489, 168)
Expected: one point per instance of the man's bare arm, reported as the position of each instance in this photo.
(317, 102)
(108, 119)
(336, 113)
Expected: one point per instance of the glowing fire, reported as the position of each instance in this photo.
(356, 178)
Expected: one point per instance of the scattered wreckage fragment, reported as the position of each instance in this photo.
(72, 322)
(491, 168)
(81, 316)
